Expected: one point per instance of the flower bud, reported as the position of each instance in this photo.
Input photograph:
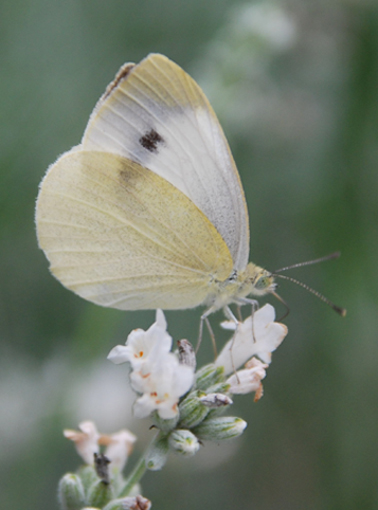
(156, 457)
(115, 504)
(216, 429)
(208, 376)
(71, 494)
(221, 387)
(192, 411)
(88, 476)
(184, 442)
(99, 494)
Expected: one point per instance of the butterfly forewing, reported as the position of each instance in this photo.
(156, 115)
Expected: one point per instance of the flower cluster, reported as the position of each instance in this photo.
(186, 406)
(157, 375)
(99, 483)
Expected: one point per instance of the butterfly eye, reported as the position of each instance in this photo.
(263, 282)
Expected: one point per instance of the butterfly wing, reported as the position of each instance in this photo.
(156, 115)
(120, 235)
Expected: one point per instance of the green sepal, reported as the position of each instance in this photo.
(164, 425)
(71, 494)
(99, 494)
(157, 456)
(184, 442)
(220, 387)
(88, 476)
(208, 376)
(192, 411)
(218, 429)
(115, 504)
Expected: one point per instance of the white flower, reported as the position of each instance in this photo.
(258, 335)
(248, 379)
(157, 373)
(166, 381)
(119, 446)
(86, 441)
(141, 345)
(89, 440)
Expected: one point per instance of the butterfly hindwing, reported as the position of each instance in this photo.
(119, 235)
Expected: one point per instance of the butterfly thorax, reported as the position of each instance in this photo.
(254, 281)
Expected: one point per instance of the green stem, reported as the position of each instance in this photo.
(138, 470)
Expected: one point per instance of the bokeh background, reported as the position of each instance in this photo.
(295, 85)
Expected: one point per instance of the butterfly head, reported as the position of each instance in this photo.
(264, 283)
(258, 280)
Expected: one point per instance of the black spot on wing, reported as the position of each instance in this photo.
(151, 140)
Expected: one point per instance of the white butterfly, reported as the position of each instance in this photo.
(148, 211)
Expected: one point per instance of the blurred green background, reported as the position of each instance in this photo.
(295, 85)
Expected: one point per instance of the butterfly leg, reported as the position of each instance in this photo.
(228, 313)
(212, 336)
(254, 306)
(205, 318)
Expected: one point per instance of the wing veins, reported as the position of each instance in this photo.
(203, 107)
(155, 241)
(149, 257)
(124, 221)
(167, 226)
(145, 301)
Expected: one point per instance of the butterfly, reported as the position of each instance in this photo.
(148, 211)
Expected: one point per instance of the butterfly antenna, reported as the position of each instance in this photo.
(338, 309)
(331, 256)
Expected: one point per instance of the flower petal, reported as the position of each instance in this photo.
(258, 336)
